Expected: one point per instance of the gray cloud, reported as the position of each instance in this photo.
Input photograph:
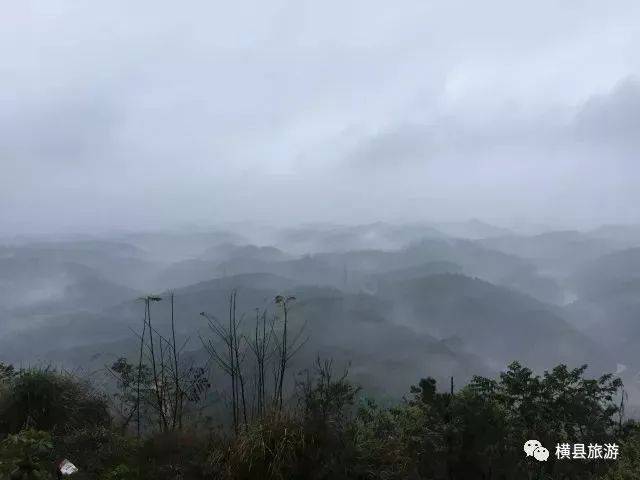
(397, 146)
(606, 123)
(63, 132)
(150, 114)
(612, 120)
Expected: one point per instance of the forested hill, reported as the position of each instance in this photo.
(217, 356)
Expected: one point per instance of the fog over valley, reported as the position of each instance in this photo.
(392, 300)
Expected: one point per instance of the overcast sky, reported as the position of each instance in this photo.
(126, 114)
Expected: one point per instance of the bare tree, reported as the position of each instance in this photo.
(229, 357)
(271, 348)
(285, 349)
(139, 379)
(260, 347)
(157, 375)
(178, 394)
(168, 384)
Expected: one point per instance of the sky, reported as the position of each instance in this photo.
(156, 114)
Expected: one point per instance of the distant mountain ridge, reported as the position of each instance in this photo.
(404, 301)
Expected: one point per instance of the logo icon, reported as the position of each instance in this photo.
(533, 448)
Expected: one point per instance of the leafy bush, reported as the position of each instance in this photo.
(121, 472)
(44, 399)
(95, 450)
(385, 442)
(27, 455)
(171, 455)
(628, 465)
(477, 432)
(267, 449)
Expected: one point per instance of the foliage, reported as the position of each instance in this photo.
(134, 390)
(177, 454)
(385, 442)
(479, 432)
(159, 387)
(628, 465)
(95, 450)
(269, 448)
(121, 472)
(27, 455)
(327, 405)
(475, 433)
(45, 399)
(7, 372)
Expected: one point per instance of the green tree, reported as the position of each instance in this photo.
(479, 432)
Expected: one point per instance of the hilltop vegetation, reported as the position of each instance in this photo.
(328, 429)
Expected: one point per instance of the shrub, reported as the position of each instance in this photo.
(173, 455)
(47, 400)
(121, 472)
(627, 467)
(95, 450)
(27, 455)
(269, 449)
(383, 441)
